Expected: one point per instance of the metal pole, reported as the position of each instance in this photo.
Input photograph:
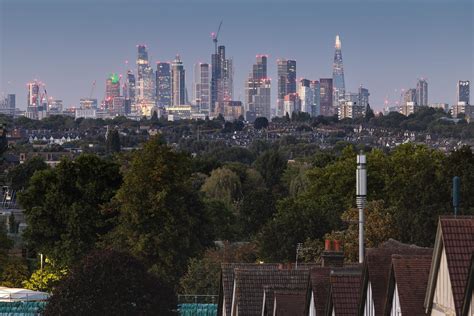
(361, 199)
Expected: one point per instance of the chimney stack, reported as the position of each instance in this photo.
(332, 256)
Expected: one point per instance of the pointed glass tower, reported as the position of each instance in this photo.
(338, 74)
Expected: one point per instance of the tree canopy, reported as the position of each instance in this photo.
(63, 207)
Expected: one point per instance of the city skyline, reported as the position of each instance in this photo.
(83, 58)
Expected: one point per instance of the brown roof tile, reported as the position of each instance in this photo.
(344, 291)
(250, 286)
(410, 274)
(458, 241)
(289, 303)
(377, 268)
(227, 280)
(319, 285)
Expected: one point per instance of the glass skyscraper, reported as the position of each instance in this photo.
(163, 85)
(286, 73)
(178, 86)
(202, 87)
(463, 91)
(422, 92)
(339, 88)
(326, 97)
(257, 91)
(222, 77)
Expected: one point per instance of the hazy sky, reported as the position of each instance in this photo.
(386, 44)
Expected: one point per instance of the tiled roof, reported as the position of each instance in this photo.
(377, 267)
(319, 283)
(227, 280)
(458, 241)
(469, 288)
(250, 286)
(344, 292)
(289, 303)
(410, 274)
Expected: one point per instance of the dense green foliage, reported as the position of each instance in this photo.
(20, 175)
(63, 207)
(110, 283)
(162, 219)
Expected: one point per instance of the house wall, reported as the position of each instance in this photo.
(369, 309)
(396, 310)
(312, 307)
(443, 300)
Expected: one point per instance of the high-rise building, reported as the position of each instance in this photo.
(422, 92)
(409, 96)
(130, 87)
(315, 92)
(222, 88)
(363, 97)
(145, 94)
(306, 95)
(163, 85)
(202, 87)
(33, 95)
(257, 91)
(292, 104)
(178, 86)
(112, 90)
(463, 91)
(88, 103)
(339, 88)
(286, 72)
(7, 105)
(326, 97)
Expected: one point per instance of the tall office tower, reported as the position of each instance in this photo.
(163, 85)
(306, 95)
(33, 101)
(257, 91)
(326, 97)
(315, 92)
(463, 91)
(129, 92)
(286, 82)
(178, 86)
(291, 104)
(339, 88)
(222, 77)
(112, 90)
(363, 97)
(422, 92)
(409, 96)
(11, 103)
(145, 94)
(202, 87)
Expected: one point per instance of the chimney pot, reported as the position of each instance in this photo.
(337, 245)
(327, 245)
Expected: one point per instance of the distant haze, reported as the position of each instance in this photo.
(386, 45)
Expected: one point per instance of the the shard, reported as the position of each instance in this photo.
(338, 74)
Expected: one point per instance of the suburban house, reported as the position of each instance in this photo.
(344, 291)
(452, 257)
(376, 269)
(407, 285)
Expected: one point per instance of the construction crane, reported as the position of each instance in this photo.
(92, 90)
(215, 36)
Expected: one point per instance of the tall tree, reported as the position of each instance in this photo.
(162, 219)
(20, 175)
(107, 282)
(113, 142)
(63, 207)
(224, 185)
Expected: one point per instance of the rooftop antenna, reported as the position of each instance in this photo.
(456, 193)
(361, 198)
